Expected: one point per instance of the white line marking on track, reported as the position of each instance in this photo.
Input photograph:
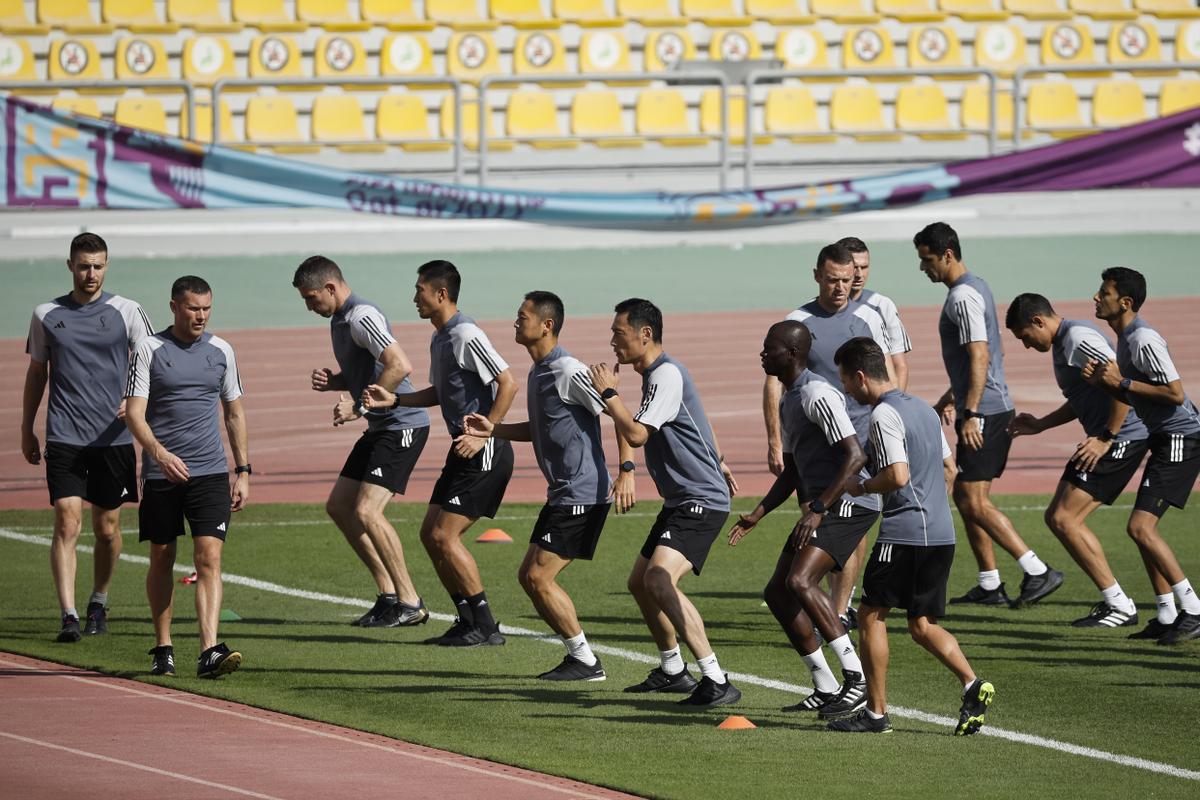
(630, 655)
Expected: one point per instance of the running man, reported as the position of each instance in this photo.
(695, 484)
(911, 467)
(175, 380)
(468, 377)
(80, 344)
(1102, 465)
(383, 458)
(1144, 376)
(822, 454)
(978, 405)
(896, 336)
(563, 426)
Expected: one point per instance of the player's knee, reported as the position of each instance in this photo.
(801, 584)
(918, 629)
(1057, 521)
(436, 536)
(367, 514)
(635, 584)
(1141, 531)
(532, 579)
(207, 561)
(658, 581)
(334, 509)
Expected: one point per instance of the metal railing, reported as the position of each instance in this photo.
(109, 87)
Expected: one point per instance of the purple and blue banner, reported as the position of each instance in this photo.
(55, 160)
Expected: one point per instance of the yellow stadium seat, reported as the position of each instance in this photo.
(202, 15)
(140, 59)
(516, 11)
(471, 55)
(76, 60)
(723, 10)
(1134, 42)
(666, 48)
(738, 44)
(597, 114)
(921, 108)
(858, 111)
(584, 12)
(1178, 95)
(73, 15)
(452, 12)
(974, 106)
(17, 62)
(272, 118)
(1067, 44)
(1102, 9)
(139, 16)
(780, 12)
(207, 59)
(1037, 9)
(82, 106)
(791, 111)
(339, 118)
(802, 48)
(973, 10)
(844, 12)
(1118, 103)
(470, 124)
(1054, 108)
(909, 10)
(403, 116)
(604, 51)
(710, 117)
(1168, 9)
(266, 15)
(869, 48)
(339, 55)
(406, 54)
(332, 15)
(1187, 42)
(15, 21)
(395, 14)
(274, 56)
(539, 52)
(652, 11)
(141, 112)
(661, 114)
(1000, 47)
(934, 47)
(204, 123)
(531, 117)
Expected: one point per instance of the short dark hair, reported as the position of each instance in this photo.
(315, 271)
(1128, 283)
(862, 354)
(939, 237)
(441, 274)
(87, 243)
(853, 244)
(549, 306)
(1024, 308)
(837, 252)
(642, 313)
(189, 283)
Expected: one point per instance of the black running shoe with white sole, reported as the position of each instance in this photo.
(814, 702)
(1186, 628)
(862, 722)
(1103, 615)
(70, 630)
(659, 681)
(1153, 630)
(981, 596)
(402, 615)
(572, 669)
(709, 693)
(382, 604)
(97, 620)
(1035, 587)
(474, 637)
(457, 629)
(976, 699)
(164, 660)
(850, 698)
(216, 661)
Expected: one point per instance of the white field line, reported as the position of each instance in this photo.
(630, 655)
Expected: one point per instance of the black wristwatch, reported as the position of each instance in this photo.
(246, 469)
(1125, 383)
(968, 413)
(817, 507)
(608, 394)
(628, 466)
(1105, 435)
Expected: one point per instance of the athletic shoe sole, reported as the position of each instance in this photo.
(230, 664)
(973, 722)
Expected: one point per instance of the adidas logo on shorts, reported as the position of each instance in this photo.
(454, 501)
(221, 527)
(377, 472)
(124, 493)
(546, 538)
(666, 535)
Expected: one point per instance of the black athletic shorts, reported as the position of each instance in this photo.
(104, 476)
(203, 501)
(908, 576)
(839, 532)
(1111, 474)
(986, 463)
(386, 458)
(1171, 472)
(475, 486)
(570, 531)
(690, 528)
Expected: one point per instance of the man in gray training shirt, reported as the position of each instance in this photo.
(176, 378)
(911, 467)
(80, 343)
(383, 458)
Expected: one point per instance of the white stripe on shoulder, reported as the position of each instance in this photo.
(45, 308)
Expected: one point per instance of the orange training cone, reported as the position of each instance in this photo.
(494, 535)
(736, 723)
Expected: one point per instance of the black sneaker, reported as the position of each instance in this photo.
(1035, 587)
(70, 630)
(1186, 627)
(572, 669)
(457, 629)
(862, 722)
(851, 698)
(710, 693)
(164, 660)
(982, 596)
(1103, 615)
(814, 702)
(97, 620)
(1153, 630)
(659, 681)
(400, 615)
(849, 619)
(366, 620)
(976, 699)
(474, 637)
(216, 661)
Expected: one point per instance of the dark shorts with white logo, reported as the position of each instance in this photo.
(386, 458)
(691, 529)
(1171, 472)
(908, 576)
(203, 501)
(839, 532)
(475, 486)
(106, 477)
(570, 531)
(1111, 474)
(988, 462)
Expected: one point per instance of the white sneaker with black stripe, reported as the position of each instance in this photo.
(850, 698)
(1103, 615)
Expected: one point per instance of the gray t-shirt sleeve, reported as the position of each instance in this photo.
(575, 387)
(897, 337)
(369, 329)
(473, 350)
(38, 344)
(138, 384)
(137, 321)
(1081, 344)
(662, 398)
(969, 314)
(1149, 354)
(231, 381)
(826, 408)
(887, 437)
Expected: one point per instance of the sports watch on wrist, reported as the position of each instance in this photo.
(628, 466)
(1125, 382)
(1105, 435)
(817, 507)
(608, 394)
(968, 414)
(243, 468)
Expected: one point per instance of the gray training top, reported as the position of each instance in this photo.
(1076, 343)
(1142, 356)
(462, 367)
(907, 429)
(182, 383)
(360, 332)
(87, 347)
(813, 416)
(893, 329)
(565, 429)
(969, 315)
(681, 455)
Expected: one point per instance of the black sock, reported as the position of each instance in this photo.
(483, 612)
(463, 608)
(389, 597)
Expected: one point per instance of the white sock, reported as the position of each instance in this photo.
(1187, 596)
(99, 597)
(580, 650)
(71, 612)
(989, 579)
(822, 676)
(967, 684)
(1116, 598)
(1032, 564)
(672, 662)
(1166, 608)
(710, 669)
(844, 649)
(873, 715)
